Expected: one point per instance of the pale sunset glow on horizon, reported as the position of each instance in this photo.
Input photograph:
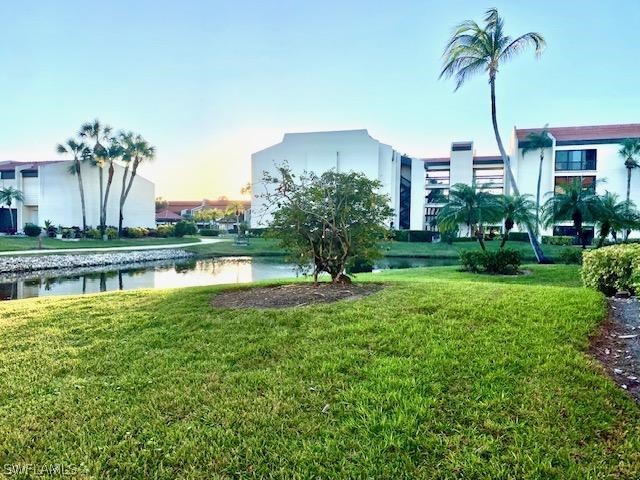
(210, 82)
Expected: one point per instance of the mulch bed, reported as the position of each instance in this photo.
(617, 345)
(292, 295)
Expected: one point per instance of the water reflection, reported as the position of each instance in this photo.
(162, 274)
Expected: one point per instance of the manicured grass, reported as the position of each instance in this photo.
(436, 376)
(267, 247)
(11, 243)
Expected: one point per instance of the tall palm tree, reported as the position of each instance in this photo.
(538, 141)
(113, 152)
(575, 203)
(472, 50)
(98, 132)
(79, 152)
(613, 215)
(516, 210)
(136, 150)
(9, 195)
(629, 151)
(235, 209)
(471, 207)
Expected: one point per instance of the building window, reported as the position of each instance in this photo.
(29, 173)
(576, 159)
(490, 180)
(588, 183)
(431, 219)
(7, 174)
(437, 177)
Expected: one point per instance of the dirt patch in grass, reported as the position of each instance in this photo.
(293, 295)
(617, 344)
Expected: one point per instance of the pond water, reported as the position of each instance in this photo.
(166, 274)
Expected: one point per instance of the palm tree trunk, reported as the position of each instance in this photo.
(122, 199)
(538, 193)
(535, 245)
(13, 228)
(628, 231)
(101, 177)
(504, 238)
(82, 202)
(106, 193)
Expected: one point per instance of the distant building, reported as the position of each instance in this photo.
(419, 187)
(188, 208)
(51, 193)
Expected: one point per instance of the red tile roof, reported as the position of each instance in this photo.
(592, 132)
(167, 215)
(177, 206)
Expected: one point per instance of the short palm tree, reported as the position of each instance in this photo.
(538, 141)
(471, 207)
(98, 132)
(136, 150)
(9, 195)
(516, 210)
(630, 151)
(475, 49)
(235, 209)
(574, 203)
(80, 153)
(613, 215)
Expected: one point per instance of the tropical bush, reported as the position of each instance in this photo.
(183, 228)
(612, 269)
(570, 256)
(32, 230)
(518, 237)
(165, 231)
(557, 240)
(504, 261)
(135, 232)
(111, 232)
(209, 232)
(327, 220)
(94, 233)
(413, 235)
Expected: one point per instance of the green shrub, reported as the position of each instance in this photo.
(359, 265)
(209, 232)
(32, 230)
(518, 237)
(112, 233)
(612, 269)
(183, 228)
(94, 233)
(165, 231)
(135, 232)
(401, 235)
(557, 240)
(465, 239)
(413, 235)
(257, 232)
(570, 255)
(502, 262)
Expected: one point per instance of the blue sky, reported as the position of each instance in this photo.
(209, 82)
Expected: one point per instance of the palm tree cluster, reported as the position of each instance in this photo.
(579, 204)
(476, 209)
(98, 146)
(574, 202)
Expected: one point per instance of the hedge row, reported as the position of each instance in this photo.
(612, 269)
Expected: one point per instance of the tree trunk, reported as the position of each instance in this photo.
(101, 178)
(105, 203)
(538, 193)
(535, 245)
(82, 201)
(11, 217)
(122, 199)
(504, 238)
(628, 231)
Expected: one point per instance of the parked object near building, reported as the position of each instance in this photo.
(419, 187)
(51, 193)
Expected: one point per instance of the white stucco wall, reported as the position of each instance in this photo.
(418, 179)
(318, 152)
(54, 196)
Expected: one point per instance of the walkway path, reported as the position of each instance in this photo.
(203, 241)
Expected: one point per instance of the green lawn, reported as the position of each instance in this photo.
(439, 375)
(267, 247)
(11, 243)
